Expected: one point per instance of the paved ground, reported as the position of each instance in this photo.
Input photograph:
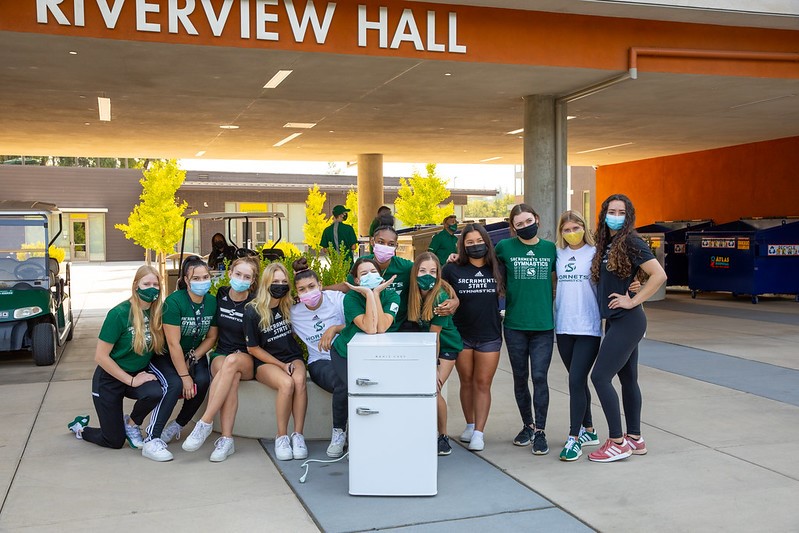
(718, 458)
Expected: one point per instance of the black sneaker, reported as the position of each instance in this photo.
(540, 443)
(524, 436)
(444, 447)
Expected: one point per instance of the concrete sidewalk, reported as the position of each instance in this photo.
(717, 459)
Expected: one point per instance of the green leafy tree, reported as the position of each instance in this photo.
(156, 222)
(420, 197)
(352, 205)
(316, 220)
(498, 207)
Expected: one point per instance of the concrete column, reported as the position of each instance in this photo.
(544, 161)
(370, 189)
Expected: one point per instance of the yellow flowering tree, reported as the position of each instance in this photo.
(315, 219)
(352, 205)
(419, 198)
(156, 222)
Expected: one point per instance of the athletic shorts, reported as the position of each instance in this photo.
(449, 356)
(483, 346)
(257, 362)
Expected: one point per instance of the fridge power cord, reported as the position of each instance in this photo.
(307, 466)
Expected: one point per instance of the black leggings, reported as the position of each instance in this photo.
(172, 384)
(578, 353)
(618, 355)
(108, 393)
(324, 374)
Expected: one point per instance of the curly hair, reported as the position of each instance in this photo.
(618, 255)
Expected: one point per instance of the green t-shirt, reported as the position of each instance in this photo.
(194, 319)
(528, 283)
(400, 267)
(449, 340)
(118, 330)
(345, 234)
(355, 305)
(443, 244)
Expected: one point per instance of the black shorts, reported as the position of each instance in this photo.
(449, 356)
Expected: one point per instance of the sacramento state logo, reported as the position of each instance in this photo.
(319, 326)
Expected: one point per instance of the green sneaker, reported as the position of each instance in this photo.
(571, 451)
(77, 425)
(588, 438)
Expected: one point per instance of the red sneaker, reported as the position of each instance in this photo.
(611, 451)
(637, 446)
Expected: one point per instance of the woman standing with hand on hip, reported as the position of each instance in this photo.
(621, 253)
(475, 278)
(190, 331)
(130, 334)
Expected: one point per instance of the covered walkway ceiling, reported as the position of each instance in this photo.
(169, 100)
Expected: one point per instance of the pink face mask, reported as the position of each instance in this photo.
(311, 298)
(383, 253)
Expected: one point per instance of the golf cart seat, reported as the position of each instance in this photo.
(272, 254)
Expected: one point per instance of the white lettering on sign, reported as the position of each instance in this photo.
(412, 28)
(142, 8)
(110, 15)
(177, 14)
(309, 15)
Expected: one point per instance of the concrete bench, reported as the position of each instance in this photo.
(256, 414)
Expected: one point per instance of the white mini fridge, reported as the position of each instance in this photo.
(393, 446)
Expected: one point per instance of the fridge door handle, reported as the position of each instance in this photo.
(362, 382)
(365, 411)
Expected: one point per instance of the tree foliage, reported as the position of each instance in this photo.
(419, 198)
(316, 220)
(498, 207)
(352, 205)
(156, 222)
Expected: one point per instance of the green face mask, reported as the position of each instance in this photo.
(426, 282)
(150, 294)
(453, 228)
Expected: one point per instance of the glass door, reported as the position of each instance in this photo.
(79, 240)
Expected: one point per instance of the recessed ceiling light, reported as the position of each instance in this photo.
(277, 79)
(605, 148)
(331, 131)
(81, 96)
(73, 53)
(570, 117)
(287, 139)
(104, 107)
(515, 132)
(87, 123)
(448, 74)
(200, 154)
(300, 125)
(490, 159)
(229, 127)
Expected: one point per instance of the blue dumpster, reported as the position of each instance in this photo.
(748, 256)
(674, 231)
(498, 231)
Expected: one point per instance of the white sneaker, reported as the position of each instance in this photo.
(336, 448)
(298, 448)
(477, 443)
(223, 448)
(466, 436)
(283, 448)
(197, 436)
(133, 434)
(155, 449)
(171, 431)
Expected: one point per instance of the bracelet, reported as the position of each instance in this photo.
(183, 375)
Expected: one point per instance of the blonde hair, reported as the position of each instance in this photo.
(422, 307)
(262, 303)
(577, 218)
(136, 318)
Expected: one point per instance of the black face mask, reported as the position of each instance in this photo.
(529, 232)
(477, 251)
(278, 290)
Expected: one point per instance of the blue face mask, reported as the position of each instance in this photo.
(615, 222)
(200, 288)
(371, 280)
(239, 285)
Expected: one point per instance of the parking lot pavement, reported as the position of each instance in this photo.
(717, 459)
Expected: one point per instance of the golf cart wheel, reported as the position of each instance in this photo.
(43, 344)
